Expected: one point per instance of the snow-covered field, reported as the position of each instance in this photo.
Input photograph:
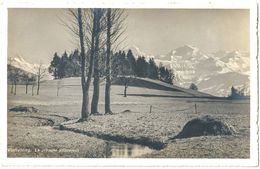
(131, 122)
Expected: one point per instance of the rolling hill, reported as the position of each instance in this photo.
(214, 73)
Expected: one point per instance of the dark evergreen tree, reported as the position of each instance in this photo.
(54, 66)
(120, 65)
(169, 76)
(162, 72)
(75, 63)
(132, 61)
(62, 68)
(152, 70)
(122, 69)
(114, 64)
(141, 67)
(165, 75)
(193, 86)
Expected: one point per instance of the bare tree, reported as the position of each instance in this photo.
(82, 23)
(27, 82)
(108, 73)
(33, 85)
(86, 82)
(25, 79)
(41, 72)
(98, 14)
(88, 26)
(31, 81)
(126, 80)
(13, 77)
(115, 28)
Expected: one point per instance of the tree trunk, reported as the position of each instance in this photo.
(55, 73)
(95, 97)
(85, 105)
(84, 115)
(125, 95)
(38, 87)
(84, 108)
(125, 91)
(26, 88)
(91, 65)
(32, 89)
(14, 87)
(38, 80)
(86, 83)
(108, 73)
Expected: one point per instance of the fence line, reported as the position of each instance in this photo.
(152, 107)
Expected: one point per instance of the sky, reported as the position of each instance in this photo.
(36, 34)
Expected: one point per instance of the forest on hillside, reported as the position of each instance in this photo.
(122, 64)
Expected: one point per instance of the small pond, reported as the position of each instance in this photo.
(126, 150)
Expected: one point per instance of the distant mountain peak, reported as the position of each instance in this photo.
(191, 65)
(190, 47)
(19, 62)
(136, 51)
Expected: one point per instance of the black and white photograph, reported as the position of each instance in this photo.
(111, 82)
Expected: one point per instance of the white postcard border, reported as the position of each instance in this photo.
(187, 4)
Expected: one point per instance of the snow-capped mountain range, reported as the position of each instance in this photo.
(213, 73)
(19, 62)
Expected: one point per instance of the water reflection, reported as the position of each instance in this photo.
(124, 150)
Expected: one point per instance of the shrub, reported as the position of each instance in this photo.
(193, 86)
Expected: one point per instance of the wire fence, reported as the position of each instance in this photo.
(154, 108)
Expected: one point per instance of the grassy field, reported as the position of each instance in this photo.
(147, 117)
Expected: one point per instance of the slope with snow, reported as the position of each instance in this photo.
(213, 73)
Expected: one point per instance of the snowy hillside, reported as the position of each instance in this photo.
(213, 73)
(19, 62)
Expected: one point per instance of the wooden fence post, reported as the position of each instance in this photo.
(196, 108)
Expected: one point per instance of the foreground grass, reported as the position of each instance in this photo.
(32, 137)
(156, 129)
(206, 147)
(132, 122)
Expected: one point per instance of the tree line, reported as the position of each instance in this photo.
(18, 76)
(65, 65)
(122, 63)
(127, 64)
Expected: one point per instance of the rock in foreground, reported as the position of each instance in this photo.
(24, 109)
(205, 126)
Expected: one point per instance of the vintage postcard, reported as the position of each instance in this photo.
(127, 83)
